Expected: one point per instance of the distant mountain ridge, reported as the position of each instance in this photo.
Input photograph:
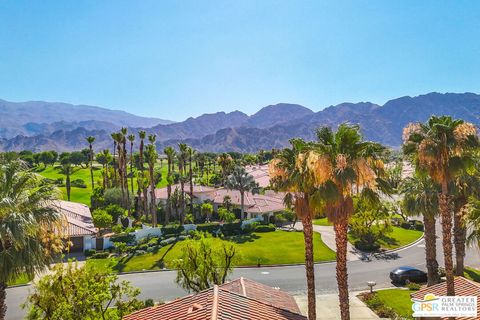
(40, 117)
(270, 127)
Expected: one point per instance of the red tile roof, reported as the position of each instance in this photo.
(78, 217)
(235, 300)
(463, 287)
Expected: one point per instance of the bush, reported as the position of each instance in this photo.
(367, 247)
(142, 247)
(167, 241)
(100, 255)
(78, 183)
(153, 249)
(140, 252)
(413, 286)
(123, 237)
(115, 211)
(265, 228)
(153, 241)
(183, 237)
(149, 303)
(208, 227)
(117, 228)
(90, 252)
(231, 229)
(172, 230)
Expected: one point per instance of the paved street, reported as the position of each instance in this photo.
(161, 285)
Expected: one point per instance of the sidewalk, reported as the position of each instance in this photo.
(328, 308)
(328, 237)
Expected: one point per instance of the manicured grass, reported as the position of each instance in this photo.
(397, 299)
(278, 247)
(23, 279)
(82, 195)
(322, 222)
(399, 237)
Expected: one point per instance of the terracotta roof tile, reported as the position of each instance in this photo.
(78, 216)
(236, 300)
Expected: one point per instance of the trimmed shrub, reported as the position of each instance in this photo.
(231, 229)
(123, 237)
(183, 237)
(100, 255)
(265, 228)
(367, 247)
(140, 252)
(78, 183)
(90, 252)
(153, 249)
(208, 227)
(167, 241)
(172, 230)
(413, 286)
(153, 242)
(142, 247)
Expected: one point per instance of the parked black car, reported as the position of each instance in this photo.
(407, 274)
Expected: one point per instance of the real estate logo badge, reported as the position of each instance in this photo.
(445, 306)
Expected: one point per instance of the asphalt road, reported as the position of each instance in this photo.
(161, 286)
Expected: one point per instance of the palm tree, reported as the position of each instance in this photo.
(131, 138)
(342, 165)
(90, 141)
(151, 157)
(286, 176)
(190, 175)
(421, 198)
(170, 153)
(115, 139)
(464, 187)
(66, 163)
(442, 147)
(124, 132)
(473, 221)
(182, 156)
(243, 182)
(104, 158)
(225, 161)
(142, 135)
(118, 138)
(27, 219)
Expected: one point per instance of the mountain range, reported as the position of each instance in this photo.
(271, 127)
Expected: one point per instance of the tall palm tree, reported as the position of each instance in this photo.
(118, 138)
(131, 138)
(182, 156)
(342, 165)
(90, 141)
(104, 158)
(464, 187)
(124, 132)
(190, 174)
(151, 157)
(66, 165)
(240, 180)
(27, 221)
(114, 136)
(473, 221)
(170, 153)
(421, 198)
(442, 147)
(142, 135)
(225, 161)
(286, 176)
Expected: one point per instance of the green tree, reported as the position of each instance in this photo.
(27, 240)
(151, 157)
(102, 219)
(142, 187)
(90, 141)
(225, 161)
(226, 215)
(170, 153)
(204, 262)
(206, 210)
(73, 292)
(243, 182)
(420, 197)
(131, 138)
(442, 147)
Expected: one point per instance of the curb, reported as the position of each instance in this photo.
(411, 244)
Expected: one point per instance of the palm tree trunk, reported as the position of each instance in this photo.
(169, 194)
(131, 167)
(190, 172)
(309, 266)
(445, 212)
(152, 195)
(3, 297)
(460, 236)
(91, 167)
(431, 250)
(67, 185)
(341, 229)
(242, 204)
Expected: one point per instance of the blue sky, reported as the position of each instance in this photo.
(175, 59)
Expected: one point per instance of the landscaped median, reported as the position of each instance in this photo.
(264, 248)
(399, 237)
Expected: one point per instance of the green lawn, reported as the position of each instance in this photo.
(23, 279)
(472, 274)
(82, 195)
(322, 222)
(278, 247)
(399, 237)
(398, 300)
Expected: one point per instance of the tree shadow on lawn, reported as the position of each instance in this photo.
(389, 241)
(251, 237)
(160, 263)
(473, 275)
